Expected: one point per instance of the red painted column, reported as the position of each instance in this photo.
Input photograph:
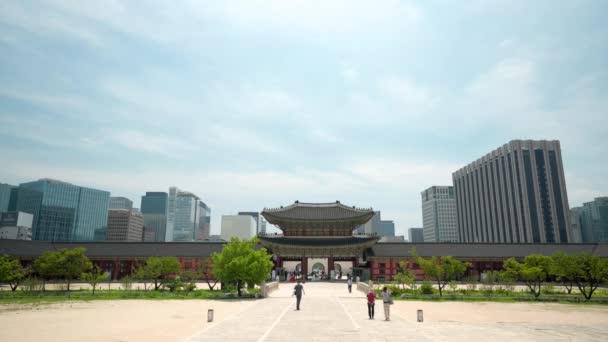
(305, 266)
(330, 265)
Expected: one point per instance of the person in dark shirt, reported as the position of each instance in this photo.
(298, 290)
(371, 302)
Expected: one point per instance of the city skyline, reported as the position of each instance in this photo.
(262, 104)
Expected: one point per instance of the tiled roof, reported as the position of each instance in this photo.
(315, 211)
(484, 250)
(33, 249)
(317, 241)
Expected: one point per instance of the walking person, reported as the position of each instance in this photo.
(350, 285)
(371, 302)
(298, 290)
(387, 301)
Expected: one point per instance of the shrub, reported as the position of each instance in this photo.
(190, 286)
(548, 288)
(127, 282)
(471, 287)
(427, 287)
(174, 284)
(32, 284)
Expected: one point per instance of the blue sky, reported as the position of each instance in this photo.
(254, 104)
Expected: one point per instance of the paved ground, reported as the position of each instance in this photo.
(329, 313)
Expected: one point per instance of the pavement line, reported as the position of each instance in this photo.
(274, 324)
(348, 314)
(209, 326)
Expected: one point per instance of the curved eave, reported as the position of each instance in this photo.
(272, 218)
(318, 242)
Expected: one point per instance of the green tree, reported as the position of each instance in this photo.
(93, 278)
(159, 270)
(72, 264)
(47, 266)
(68, 264)
(533, 271)
(12, 272)
(404, 276)
(565, 269)
(240, 263)
(443, 270)
(592, 271)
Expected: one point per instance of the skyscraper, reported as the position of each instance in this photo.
(204, 222)
(5, 196)
(387, 228)
(186, 221)
(125, 225)
(63, 211)
(120, 203)
(256, 217)
(416, 235)
(439, 214)
(240, 226)
(171, 209)
(154, 210)
(594, 220)
(373, 226)
(514, 194)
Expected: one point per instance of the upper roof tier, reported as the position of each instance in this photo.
(317, 212)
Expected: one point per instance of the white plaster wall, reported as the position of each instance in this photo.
(290, 266)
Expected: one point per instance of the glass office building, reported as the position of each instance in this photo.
(62, 211)
(154, 210)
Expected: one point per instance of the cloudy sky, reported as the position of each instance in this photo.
(254, 104)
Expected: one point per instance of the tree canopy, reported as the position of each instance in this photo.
(564, 268)
(533, 271)
(11, 272)
(592, 271)
(158, 270)
(240, 263)
(65, 263)
(442, 270)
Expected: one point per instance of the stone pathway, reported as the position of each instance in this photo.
(329, 313)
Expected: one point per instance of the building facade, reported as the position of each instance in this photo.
(576, 226)
(594, 220)
(154, 211)
(15, 225)
(204, 222)
(514, 194)
(186, 223)
(5, 196)
(125, 225)
(439, 220)
(240, 226)
(256, 217)
(416, 235)
(120, 203)
(62, 211)
(387, 228)
(373, 226)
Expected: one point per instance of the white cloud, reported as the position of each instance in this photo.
(240, 138)
(350, 74)
(264, 102)
(163, 145)
(315, 16)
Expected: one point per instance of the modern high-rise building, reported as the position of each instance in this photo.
(240, 226)
(263, 228)
(416, 235)
(62, 211)
(576, 224)
(186, 222)
(5, 196)
(514, 194)
(204, 222)
(387, 228)
(154, 210)
(439, 214)
(256, 217)
(373, 226)
(125, 225)
(171, 210)
(594, 221)
(120, 203)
